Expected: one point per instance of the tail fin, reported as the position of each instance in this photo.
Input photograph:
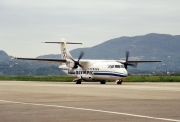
(64, 52)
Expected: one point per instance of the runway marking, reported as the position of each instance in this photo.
(92, 110)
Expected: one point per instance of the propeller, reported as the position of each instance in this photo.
(126, 64)
(76, 63)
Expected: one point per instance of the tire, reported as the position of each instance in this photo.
(119, 82)
(78, 82)
(102, 82)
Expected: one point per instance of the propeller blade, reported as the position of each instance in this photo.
(126, 64)
(81, 55)
(81, 66)
(127, 55)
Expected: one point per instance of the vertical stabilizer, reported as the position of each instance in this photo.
(64, 52)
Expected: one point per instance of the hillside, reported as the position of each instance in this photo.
(146, 47)
(4, 56)
(18, 67)
(149, 46)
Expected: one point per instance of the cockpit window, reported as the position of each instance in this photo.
(117, 66)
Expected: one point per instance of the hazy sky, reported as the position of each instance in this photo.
(24, 24)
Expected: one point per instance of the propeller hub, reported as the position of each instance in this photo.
(76, 63)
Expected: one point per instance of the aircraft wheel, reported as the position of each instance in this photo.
(78, 82)
(103, 82)
(119, 82)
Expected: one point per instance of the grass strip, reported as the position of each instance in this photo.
(136, 78)
(37, 78)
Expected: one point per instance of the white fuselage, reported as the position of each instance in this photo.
(98, 70)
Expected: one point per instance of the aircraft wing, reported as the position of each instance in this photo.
(45, 60)
(134, 63)
(142, 61)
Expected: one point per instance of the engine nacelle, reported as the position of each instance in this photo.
(87, 77)
(70, 63)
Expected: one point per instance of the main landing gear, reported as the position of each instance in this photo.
(103, 82)
(119, 82)
(78, 81)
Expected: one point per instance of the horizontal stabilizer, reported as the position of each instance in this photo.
(63, 42)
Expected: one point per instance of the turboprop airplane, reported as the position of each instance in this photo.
(91, 70)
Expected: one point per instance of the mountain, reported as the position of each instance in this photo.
(4, 56)
(146, 47)
(18, 67)
(151, 46)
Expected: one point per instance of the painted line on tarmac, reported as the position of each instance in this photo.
(92, 110)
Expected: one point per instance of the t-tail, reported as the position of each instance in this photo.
(65, 54)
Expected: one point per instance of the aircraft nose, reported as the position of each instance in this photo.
(125, 72)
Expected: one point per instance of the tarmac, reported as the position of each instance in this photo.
(22, 101)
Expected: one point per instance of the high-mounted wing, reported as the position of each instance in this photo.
(45, 60)
(142, 61)
(134, 63)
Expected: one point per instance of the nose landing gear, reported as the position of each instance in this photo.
(78, 81)
(102, 82)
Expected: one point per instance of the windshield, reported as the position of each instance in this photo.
(119, 66)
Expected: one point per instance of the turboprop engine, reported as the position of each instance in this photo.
(73, 63)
